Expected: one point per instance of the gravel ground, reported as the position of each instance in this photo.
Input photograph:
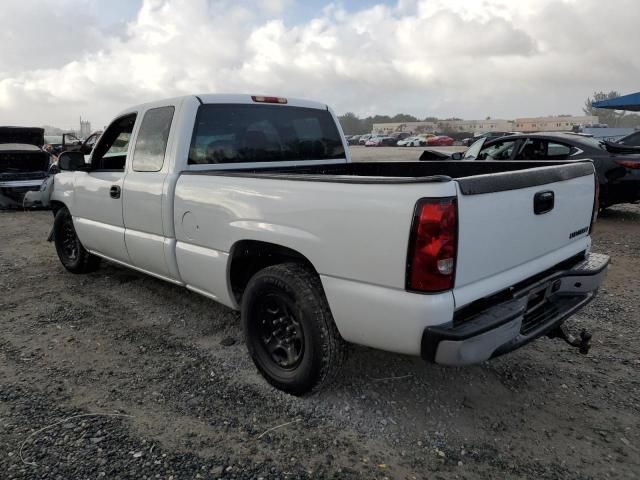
(395, 154)
(118, 375)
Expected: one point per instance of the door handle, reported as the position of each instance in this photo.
(543, 202)
(114, 191)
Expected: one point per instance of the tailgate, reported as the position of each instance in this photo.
(513, 225)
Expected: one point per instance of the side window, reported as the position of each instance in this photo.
(558, 151)
(110, 152)
(537, 149)
(533, 149)
(497, 151)
(153, 136)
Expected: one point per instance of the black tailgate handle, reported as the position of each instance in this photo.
(543, 202)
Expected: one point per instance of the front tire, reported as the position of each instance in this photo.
(73, 256)
(289, 329)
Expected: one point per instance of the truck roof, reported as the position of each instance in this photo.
(245, 98)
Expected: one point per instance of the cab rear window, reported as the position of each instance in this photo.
(238, 133)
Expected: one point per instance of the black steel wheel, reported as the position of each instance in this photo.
(289, 330)
(73, 256)
(279, 330)
(70, 244)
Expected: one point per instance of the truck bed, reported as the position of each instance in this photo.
(467, 173)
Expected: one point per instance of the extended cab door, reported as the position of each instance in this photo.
(98, 193)
(148, 237)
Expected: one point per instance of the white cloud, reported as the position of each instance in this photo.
(275, 7)
(426, 57)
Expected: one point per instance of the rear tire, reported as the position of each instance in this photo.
(73, 256)
(289, 329)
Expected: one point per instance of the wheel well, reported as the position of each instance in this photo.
(55, 206)
(250, 256)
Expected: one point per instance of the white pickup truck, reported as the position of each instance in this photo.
(253, 202)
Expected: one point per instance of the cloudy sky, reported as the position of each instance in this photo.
(469, 58)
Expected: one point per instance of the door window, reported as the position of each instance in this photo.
(558, 151)
(497, 151)
(111, 151)
(151, 143)
(541, 149)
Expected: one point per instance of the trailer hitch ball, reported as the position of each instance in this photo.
(582, 343)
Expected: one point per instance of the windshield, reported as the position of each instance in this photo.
(473, 151)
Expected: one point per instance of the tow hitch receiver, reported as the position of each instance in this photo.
(582, 343)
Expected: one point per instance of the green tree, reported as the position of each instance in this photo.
(351, 124)
(630, 120)
(610, 117)
(403, 117)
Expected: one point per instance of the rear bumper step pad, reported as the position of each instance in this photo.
(513, 323)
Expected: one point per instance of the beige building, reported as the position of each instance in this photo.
(552, 124)
(410, 127)
(532, 124)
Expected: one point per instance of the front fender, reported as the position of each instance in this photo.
(63, 190)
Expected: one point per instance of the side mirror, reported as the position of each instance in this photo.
(457, 156)
(70, 161)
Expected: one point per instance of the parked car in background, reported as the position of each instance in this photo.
(400, 135)
(380, 141)
(407, 142)
(228, 207)
(416, 140)
(69, 142)
(440, 141)
(632, 140)
(617, 166)
(56, 144)
(353, 140)
(363, 138)
(24, 165)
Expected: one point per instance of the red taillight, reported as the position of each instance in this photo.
(431, 261)
(262, 99)
(632, 164)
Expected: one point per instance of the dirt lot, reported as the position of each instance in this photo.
(394, 154)
(182, 405)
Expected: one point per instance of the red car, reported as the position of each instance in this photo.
(440, 141)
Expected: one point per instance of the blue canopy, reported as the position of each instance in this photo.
(629, 102)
